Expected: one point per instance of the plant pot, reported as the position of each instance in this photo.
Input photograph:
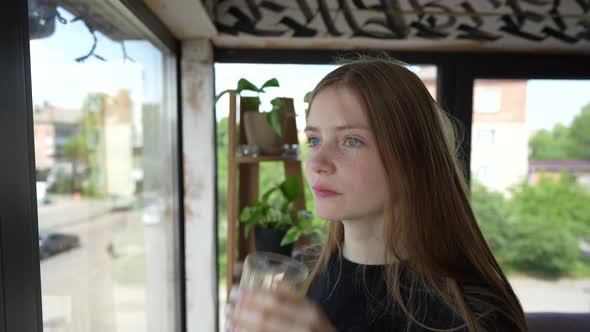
(259, 132)
(269, 240)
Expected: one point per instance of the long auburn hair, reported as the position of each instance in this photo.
(432, 227)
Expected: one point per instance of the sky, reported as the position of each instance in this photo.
(59, 79)
(555, 101)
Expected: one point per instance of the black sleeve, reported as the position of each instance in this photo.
(500, 323)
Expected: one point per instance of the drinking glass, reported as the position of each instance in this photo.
(271, 271)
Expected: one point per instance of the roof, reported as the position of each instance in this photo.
(47, 113)
(558, 165)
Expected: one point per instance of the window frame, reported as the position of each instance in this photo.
(20, 285)
(456, 73)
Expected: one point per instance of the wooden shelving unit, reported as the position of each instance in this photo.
(243, 182)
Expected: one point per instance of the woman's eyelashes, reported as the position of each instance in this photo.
(348, 141)
(312, 141)
(353, 141)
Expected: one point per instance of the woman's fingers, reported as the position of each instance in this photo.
(264, 310)
(270, 303)
(252, 320)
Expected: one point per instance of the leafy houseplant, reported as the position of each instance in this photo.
(274, 214)
(275, 115)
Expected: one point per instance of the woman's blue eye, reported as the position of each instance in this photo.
(353, 141)
(312, 141)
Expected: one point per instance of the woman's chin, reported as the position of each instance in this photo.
(328, 213)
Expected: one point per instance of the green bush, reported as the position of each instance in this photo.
(493, 214)
(542, 248)
(537, 231)
(563, 201)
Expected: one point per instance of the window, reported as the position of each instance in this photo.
(530, 191)
(104, 101)
(486, 136)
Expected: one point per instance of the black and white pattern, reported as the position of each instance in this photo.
(552, 23)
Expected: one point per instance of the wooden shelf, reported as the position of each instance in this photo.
(252, 160)
(243, 177)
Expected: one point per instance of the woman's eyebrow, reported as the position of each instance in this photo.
(338, 128)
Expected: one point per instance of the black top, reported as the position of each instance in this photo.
(354, 298)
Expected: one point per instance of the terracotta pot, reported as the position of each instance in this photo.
(259, 132)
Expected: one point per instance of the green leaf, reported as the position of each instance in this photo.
(307, 97)
(252, 102)
(287, 206)
(273, 82)
(245, 85)
(276, 103)
(291, 236)
(304, 222)
(273, 120)
(290, 188)
(267, 194)
(284, 221)
(221, 95)
(246, 213)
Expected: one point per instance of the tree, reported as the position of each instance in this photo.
(542, 248)
(75, 150)
(81, 148)
(562, 142)
(536, 231)
(549, 219)
(563, 200)
(579, 134)
(551, 145)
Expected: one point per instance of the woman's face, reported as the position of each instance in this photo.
(343, 163)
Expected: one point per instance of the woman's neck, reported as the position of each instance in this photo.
(363, 241)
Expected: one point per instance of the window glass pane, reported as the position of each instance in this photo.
(104, 122)
(530, 167)
(295, 81)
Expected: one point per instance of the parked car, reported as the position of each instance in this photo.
(51, 243)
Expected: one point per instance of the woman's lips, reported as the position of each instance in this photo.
(321, 192)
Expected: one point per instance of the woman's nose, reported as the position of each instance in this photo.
(320, 162)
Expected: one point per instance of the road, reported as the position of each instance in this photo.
(78, 286)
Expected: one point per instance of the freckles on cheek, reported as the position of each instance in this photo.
(366, 174)
(358, 163)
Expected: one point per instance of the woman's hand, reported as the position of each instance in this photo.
(262, 310)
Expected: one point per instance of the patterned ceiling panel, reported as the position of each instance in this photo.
(512, 24)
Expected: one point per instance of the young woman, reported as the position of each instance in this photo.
(403, 251)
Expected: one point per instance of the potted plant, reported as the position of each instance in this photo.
(276, 226)
(264, 129)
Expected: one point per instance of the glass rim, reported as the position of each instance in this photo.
(286, 260)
